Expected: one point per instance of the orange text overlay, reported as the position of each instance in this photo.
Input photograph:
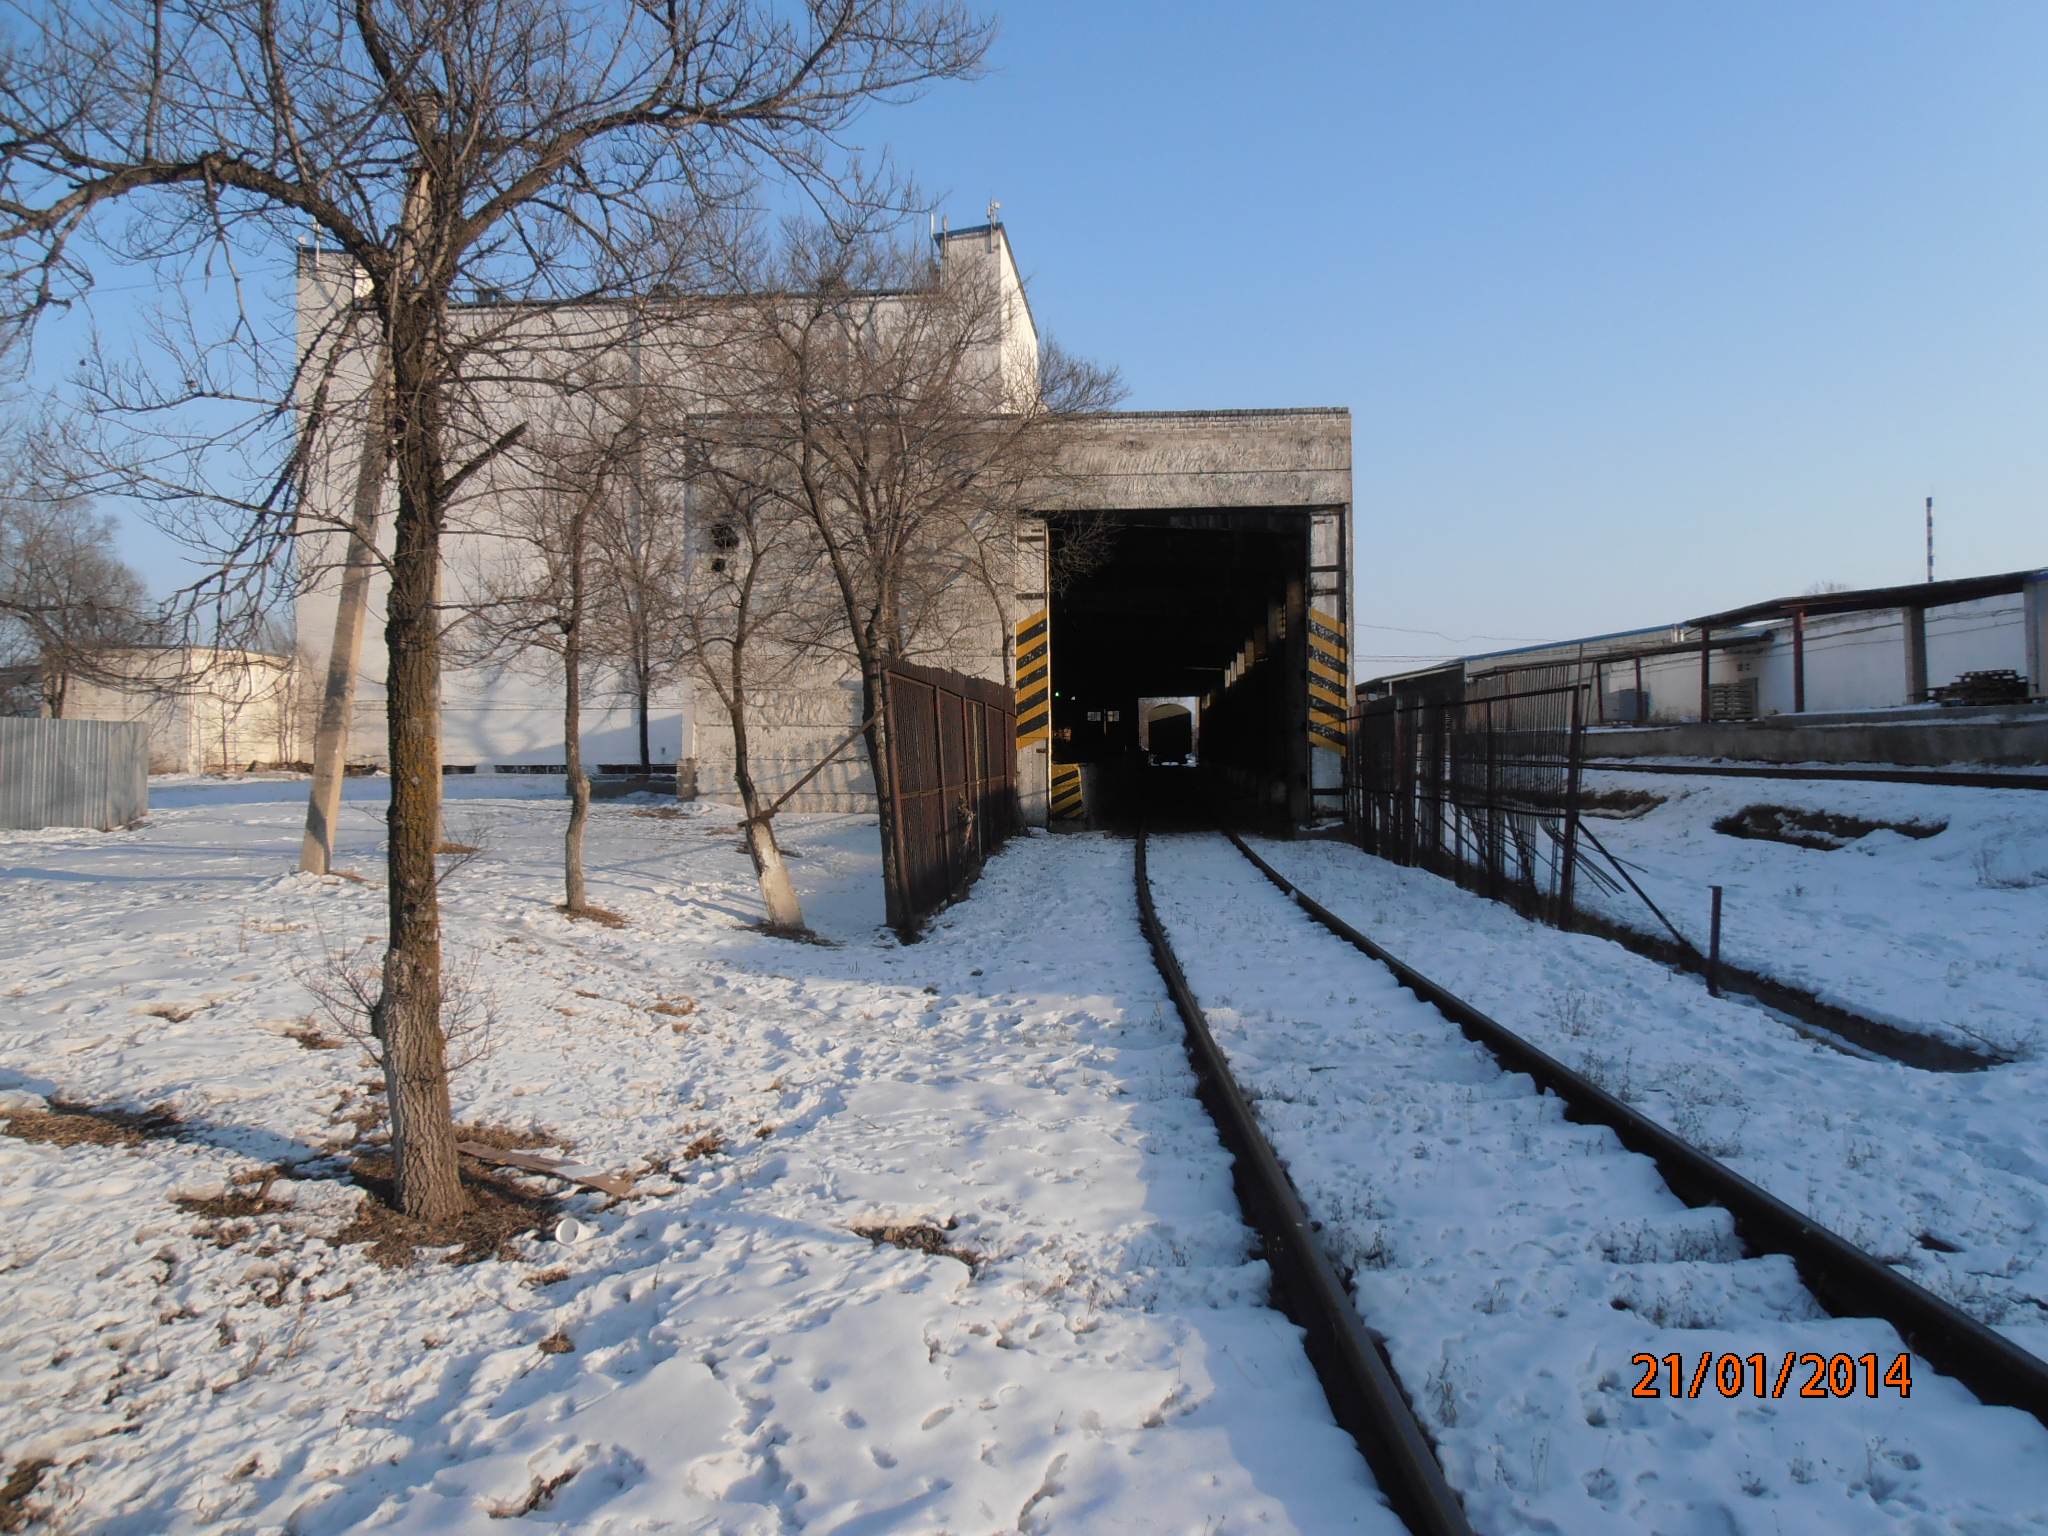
(1798, 1375)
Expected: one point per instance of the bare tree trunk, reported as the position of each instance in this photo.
(337, 703)
(873, 685)
(572, 749)
(778, 892)
(642, 688)
(408, 1022)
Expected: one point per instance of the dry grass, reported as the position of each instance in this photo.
(546, 1277)
(310, 1036)
(710, 1144)
(175, 1013)
(15, 1510)
(596, 915)
(675, 1008)
(506, 1139)
(539, 1496)
(499, 1211)
(920, 1237)
(238, 1204)
(557, 1343)
(662, 813)
(66, 1124)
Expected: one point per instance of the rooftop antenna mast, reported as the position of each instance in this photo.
(1930, 538)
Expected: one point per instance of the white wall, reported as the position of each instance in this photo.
(1852, 661)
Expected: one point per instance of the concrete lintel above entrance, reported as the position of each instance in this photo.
(1140, 460)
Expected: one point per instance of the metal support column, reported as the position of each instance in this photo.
(1914, 621)
(1799, 663)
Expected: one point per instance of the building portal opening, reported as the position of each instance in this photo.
(1166, 730)
(1177, 637)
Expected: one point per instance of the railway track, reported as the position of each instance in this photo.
(1508, 1252)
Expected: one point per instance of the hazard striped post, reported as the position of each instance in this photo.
(1329, 682)
(1034, 714)
(1034, 681)
(1067, 802)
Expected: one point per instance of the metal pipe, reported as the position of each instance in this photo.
(1714, 949)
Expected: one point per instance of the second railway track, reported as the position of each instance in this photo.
(1520, 1262)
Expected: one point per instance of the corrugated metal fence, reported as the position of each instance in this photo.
(953, 745)
(72, 773)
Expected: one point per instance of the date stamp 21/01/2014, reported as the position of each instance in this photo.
(1730, 1375)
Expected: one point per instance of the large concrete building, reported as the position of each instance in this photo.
(1224, 580)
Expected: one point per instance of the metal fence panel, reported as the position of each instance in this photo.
(72, 773)
(1483, 790)
(953, 743)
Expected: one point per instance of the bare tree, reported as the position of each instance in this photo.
(68, 605)
(758, 616)
(900, 430)
(535, 142)
(640, 544)
(541, 592)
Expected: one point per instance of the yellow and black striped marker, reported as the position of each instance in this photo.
(1066, 791)
(1034, 681)
(1328, 682)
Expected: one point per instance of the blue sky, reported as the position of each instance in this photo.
(1641, 309)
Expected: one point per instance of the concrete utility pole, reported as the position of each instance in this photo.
(337, 702)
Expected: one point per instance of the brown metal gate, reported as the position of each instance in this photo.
(953, 759)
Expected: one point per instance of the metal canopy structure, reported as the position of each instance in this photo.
(1922, 594)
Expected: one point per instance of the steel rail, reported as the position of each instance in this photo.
(1843, 1278)
(1364, 1396)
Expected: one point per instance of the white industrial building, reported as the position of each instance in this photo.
(507, 716)
(1821, 652)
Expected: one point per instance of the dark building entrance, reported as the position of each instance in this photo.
(1220, 576)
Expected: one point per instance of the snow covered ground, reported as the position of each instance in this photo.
(1517, 1262)
(1945, 934)
(738, 1360)
(1944, 1174)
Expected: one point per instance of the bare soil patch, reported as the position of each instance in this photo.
(1822, 831)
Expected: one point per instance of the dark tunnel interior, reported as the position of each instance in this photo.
(1160, 610)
